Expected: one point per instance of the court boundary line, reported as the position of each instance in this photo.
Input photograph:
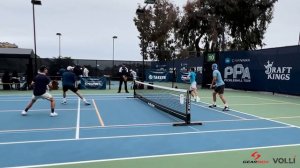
(261, 117)
(267, 119)
(259, 104)
(78, 121)
(218, 110)
(145, 135)
(5, 111)
(136, 125)
(158, 156)
(98, 113)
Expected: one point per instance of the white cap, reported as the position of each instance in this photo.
(70, 68)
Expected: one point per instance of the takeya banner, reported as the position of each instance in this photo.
(92, 83)
(273, 70)
(181, 67)
(157, 76)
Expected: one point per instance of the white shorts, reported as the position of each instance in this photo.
(46, 95)
(193, 86)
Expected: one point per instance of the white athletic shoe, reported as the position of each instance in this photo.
(198, 99)
(64, 101)
(87, 103)
(54, 114)
(23, 113)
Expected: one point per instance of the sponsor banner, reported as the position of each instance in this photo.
(273, 70)
(92, 83)
(182, 76)
(180, 68)
(157, 76)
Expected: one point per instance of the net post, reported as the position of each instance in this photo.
(187, 121)
(188, 107)
(134, 88)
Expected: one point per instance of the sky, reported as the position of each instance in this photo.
(87, 27)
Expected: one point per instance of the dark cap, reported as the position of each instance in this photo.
(42, 68)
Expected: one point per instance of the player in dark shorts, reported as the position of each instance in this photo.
(219, 85)
(40, 86)
(69, 83)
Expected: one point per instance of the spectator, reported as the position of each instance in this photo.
(6, 81)
(15, 80)
(134, 77)
(85, 72)
(123, 73)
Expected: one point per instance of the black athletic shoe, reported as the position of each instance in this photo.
(226, 108)
(212, 106)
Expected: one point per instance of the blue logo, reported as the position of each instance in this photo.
(227, 60)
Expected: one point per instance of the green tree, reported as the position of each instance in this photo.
(237, 24)
(156, 27)
(246, 21)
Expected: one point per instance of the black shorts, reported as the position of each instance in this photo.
(220, 89)
(72, 88)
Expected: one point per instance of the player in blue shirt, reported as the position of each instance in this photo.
(219, 86)
(40, 86)
(193, 88)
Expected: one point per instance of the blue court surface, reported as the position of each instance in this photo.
(118, 126)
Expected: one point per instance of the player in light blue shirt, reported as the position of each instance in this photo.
(219, 86)
(193, 88)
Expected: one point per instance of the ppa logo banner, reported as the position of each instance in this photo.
(237, 73)
(282, 73)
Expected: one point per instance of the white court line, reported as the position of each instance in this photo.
(258, 104)
(4, 111)
(99, 98)
(137, 125)
(262, 118)
(160, 156)
(146, 135)
(291, 125)
(218, 110)
(78, 121)
(36, 130)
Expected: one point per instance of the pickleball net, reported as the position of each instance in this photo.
(176, 102)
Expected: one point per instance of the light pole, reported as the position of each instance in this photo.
(35, 2)
(113, 62)
(59, 49)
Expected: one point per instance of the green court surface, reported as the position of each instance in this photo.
(276, 107)
(230, 159)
